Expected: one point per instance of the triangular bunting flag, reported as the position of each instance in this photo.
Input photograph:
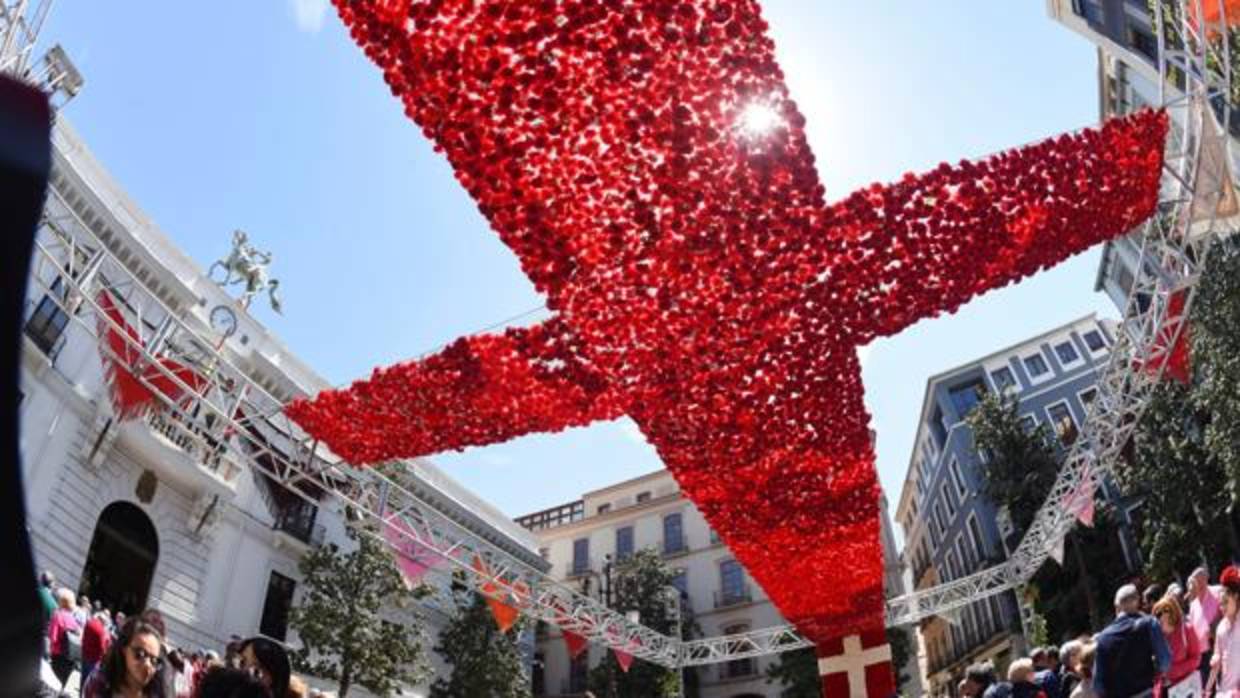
(411, 558)
(576, 644)
(505, 615)
(496, 596)
(1086, 513)
(1080, 501)
(1057, 551)
(624, 659)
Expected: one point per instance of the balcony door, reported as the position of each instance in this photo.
(121, 561)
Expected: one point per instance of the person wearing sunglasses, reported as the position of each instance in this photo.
(133, 666)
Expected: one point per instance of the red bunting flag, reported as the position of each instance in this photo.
(575, 643)
(624, 659)
(123, 363)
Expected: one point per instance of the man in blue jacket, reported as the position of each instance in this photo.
(1131, 650)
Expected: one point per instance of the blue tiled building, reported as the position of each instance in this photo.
(950, 528)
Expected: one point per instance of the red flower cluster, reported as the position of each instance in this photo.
(644, 161)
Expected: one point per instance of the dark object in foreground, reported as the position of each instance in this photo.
(25, 159)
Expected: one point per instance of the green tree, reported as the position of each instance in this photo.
(356, 620)
(901, 641)
(797, 673)
(486, 663)
(642, 583)
(1019, 467)
(1185, 457)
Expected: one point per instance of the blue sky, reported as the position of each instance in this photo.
(264, 116)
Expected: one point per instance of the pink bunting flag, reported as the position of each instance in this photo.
(624, 659)
(1080, 501)
(413, 559)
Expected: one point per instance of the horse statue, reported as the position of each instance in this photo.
(246, 264)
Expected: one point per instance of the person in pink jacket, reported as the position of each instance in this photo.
(1182, 680)
(1225, 667)
(61, 626)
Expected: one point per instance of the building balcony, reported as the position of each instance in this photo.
(961, 657)
(674, 546)
(733, 597)
(739, 669)
(579, 567)
(295, 527)
(191, 459)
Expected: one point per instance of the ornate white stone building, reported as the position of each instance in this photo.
(133, 513)
(580, 538)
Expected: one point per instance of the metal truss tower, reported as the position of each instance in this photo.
(20, 24)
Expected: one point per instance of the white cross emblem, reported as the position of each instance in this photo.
(853, 662)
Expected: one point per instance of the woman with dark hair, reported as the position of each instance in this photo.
(1225, 667)
(232, 683)
(133, 665)
(268, 661)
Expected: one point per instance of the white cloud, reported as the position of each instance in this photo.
(309, 14)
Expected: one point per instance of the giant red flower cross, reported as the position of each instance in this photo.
(699, 282)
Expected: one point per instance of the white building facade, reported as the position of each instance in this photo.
(1126, 37)
(581, 537)
(129, 512)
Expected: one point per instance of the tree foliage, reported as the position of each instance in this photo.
(1185, 458)
(356, 620)
(485, 663)
(797, 673)
(1019, 466)
(901, 641)
(642, 583)
(1019, 469)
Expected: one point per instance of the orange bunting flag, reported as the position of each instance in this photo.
(1215, 10)
(505, 615)
(576, 644)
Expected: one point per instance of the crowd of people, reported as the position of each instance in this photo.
(131, 657)
(1171, 642)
